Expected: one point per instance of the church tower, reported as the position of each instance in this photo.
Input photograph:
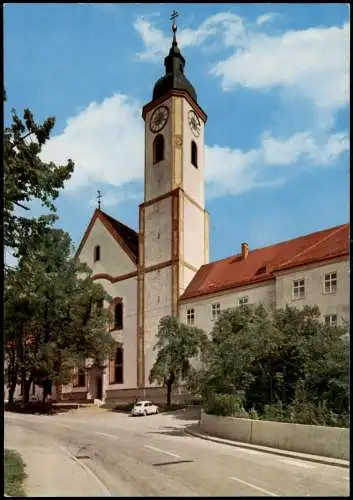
(173, 223)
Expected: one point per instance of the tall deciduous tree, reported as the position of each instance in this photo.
(271, 357)
(27, 177)
(176, 346)
(53, 318)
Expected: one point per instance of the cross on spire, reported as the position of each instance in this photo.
(99, 197)
(173, 17)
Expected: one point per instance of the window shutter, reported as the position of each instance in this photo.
(111, 371)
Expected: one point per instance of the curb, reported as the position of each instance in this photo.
(274, 451)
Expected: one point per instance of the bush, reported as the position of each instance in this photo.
(253, 414)
(31, 407)
(276, 412)
(226, 405)
(305, 412)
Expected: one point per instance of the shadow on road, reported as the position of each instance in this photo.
(173, 431)
(175, 462)
(37, 408)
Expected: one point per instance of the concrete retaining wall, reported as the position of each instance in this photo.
(313, 439)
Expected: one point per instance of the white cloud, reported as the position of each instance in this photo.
(154, 40)
(265, 18)
(106, 142)
(229, 27)
(232, 171)
(113, 197)
(312, 62)
(303, 147)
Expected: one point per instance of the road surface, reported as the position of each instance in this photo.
(93, 452)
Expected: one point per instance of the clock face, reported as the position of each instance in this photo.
(194, 123)
(159, 118)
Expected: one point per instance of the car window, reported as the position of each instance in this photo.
(138, 404)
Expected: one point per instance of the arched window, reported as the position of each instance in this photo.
(158, 149)
(118, 316)
(97, 253)
(194, 154)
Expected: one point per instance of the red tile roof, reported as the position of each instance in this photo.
(124, 235)
(262, 263)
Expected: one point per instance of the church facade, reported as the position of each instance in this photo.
(164, 269)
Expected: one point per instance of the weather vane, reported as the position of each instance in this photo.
(173, 16)
(99, 197)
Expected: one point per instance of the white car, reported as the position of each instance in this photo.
(144, 408)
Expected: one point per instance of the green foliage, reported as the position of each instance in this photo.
(226, 405)
(289, 365)
(52, 323)
(176, 345)
(14, 474)
(275, 411)
(27, 177)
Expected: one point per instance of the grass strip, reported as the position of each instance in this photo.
(14, 474)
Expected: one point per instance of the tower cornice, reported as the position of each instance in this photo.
(176, 93)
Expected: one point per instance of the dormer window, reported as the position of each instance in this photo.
(96, 253)
(194, 154)
(158, 149)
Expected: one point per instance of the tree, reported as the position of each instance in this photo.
(237, 340)
(276, 358)
(27, 177)
(53, 321)
(176, 346)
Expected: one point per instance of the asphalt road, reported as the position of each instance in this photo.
(98, 453)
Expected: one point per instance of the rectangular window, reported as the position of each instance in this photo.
(116, 366)
(216, 311)
(298, 289)
(243, 300)
(330, 282)
(119, 365)
(331, 319)
(190, 316)
(79, 377)
(118, 316)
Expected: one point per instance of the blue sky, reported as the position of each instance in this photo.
(272, 78)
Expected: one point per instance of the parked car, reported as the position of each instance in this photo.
(144, 408)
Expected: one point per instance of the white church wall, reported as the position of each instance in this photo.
(193, 178)
(113, 259)
(158, 177)
(127, 290)
(158, 235)
(158, 293)
(262, 293)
